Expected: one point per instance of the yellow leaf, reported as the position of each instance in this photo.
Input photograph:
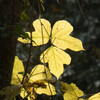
(81, 99)
(72, 92)
(77, 91)
(49, 90)
(24, 94)
(42, 32)
(25, 40)
(18, 67)
(95, 97)
(39, 72)
(56, 58)
(60, 36)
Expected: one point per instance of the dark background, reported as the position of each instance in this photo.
(84, 16)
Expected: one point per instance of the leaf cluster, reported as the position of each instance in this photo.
(38, 80)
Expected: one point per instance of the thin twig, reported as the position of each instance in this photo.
(43, 43)
(28, 61)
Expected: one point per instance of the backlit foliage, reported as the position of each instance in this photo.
(72, 92)
(60, 39)
(35, 82)
(95, 97)
(38, 80)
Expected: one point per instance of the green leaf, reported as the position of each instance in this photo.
(24, 16)
(22, 73)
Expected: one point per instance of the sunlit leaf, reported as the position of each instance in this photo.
(23, 93)
(26, 39)
(72, 92)
(60, 36)
(95, 97)
(56, 58)
(11, 92)
(81, 99)
(49, 89)
(42, 32)
(37, 81)
(27, 94)
(39, 72)
(18, 67)
(38, 87)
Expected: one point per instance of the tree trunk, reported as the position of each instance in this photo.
(10, 11)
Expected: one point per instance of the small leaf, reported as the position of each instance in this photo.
(22, 73)
(23, 93)
(72, 92)
(42, 32)
(27, 94)
(18, 67)
(39, 72)
(24, 16)
(56, 58)
(60, 36)
(95, 97)
(49, 90)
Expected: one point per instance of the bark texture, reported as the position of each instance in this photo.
(10, 11)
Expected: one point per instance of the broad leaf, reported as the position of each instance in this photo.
(56, 58)
(42, 32)
(49, 89)
(18, 67)
(95, 97)
(72, 92)
(60, 36)
(40, 72)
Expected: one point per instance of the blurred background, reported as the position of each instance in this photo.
(84, 16)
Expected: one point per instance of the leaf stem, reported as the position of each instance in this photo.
(28, 61)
